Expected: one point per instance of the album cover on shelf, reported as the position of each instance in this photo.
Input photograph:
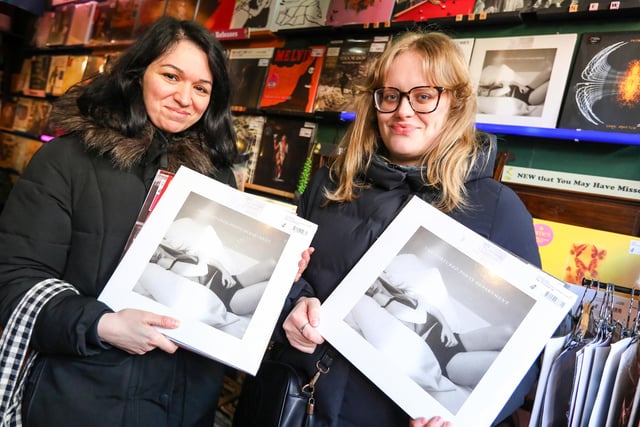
(603, 92)
(123, 21)
(521, 80)
(182, 9)
(343, 12)
(38, 75)
(292, 79)
(17, 151)
(96, 64)
(284, 147)
(102, 17)
(452, 317)
(346, 66)
(574, 253)
(8, 113)
(290, 14)
(220, 260)
(251, 14)
(248, 70)
(151, 10)
(38, 117)
(22, 112)
(466, 45)
(248, 133)
(42, 27)
(74, 71)
(60, 25)
(55, 78)
(215, 15)
(494, 6)
(81, 24)
(20, 82)
(408, 10)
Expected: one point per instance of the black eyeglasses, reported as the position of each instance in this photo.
(423, 99)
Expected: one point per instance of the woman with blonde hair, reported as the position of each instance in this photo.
(413, 135)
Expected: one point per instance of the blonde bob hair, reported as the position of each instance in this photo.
(445, 164)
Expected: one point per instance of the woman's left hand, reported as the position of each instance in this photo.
(304, 262)
(301, 323)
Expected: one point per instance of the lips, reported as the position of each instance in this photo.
(402, 128)
(178, 112)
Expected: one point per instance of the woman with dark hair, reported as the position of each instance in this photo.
(163, 104)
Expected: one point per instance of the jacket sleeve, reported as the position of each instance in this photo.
(513, 227)
(35, 237)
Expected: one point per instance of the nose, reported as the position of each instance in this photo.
(183, 95)
(405, 108)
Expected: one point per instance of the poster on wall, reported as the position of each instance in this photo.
(452, 317)
(603, 92)
(521, 80)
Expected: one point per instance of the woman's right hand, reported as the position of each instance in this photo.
(433, 422)
(134, 331)
(301, 323)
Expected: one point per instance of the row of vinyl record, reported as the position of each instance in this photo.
(71, 23)
(570, 81)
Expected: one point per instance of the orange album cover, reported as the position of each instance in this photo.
(292, 79)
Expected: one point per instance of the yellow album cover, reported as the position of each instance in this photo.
(572, 253)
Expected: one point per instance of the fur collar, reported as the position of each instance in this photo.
(126, 152)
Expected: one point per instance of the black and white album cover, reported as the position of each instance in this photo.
(439, 318)
(521, 80)
(220, 260)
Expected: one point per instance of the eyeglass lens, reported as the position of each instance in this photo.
(423, 99)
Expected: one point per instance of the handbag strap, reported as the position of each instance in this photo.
(14, 346)
(323, 366)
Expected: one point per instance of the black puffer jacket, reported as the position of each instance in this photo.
(69, 217)
(345, 397)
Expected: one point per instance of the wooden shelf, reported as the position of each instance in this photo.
(581, 209)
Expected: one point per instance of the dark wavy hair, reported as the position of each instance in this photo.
(114, 99)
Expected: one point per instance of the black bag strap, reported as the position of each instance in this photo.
(323, 366)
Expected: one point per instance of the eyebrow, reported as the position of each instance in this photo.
(181, 71)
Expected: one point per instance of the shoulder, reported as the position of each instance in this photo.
(60, 155)
(497, 213)
(314, 193)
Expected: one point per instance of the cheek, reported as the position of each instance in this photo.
(380, 123)
(200, 105)
(152, 95)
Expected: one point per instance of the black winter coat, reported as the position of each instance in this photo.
(344, 397)
(69, 217)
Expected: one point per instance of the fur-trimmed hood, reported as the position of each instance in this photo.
(127, 152)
